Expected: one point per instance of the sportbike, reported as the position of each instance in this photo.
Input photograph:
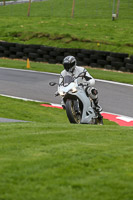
(79, 107)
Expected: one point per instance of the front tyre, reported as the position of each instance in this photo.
(72, 115)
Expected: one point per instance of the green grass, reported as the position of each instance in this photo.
(31, 111)
(51, 159)
(57, 68)
(51, 24)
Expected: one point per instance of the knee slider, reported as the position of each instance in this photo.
(94, 91)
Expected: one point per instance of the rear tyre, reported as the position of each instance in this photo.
(73, 117)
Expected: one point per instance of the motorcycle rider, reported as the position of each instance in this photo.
(71, 68)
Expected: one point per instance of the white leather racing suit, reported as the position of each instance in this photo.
(75, 73)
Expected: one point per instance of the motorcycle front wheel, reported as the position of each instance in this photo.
(72, 115)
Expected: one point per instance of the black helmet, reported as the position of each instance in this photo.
(69, 63)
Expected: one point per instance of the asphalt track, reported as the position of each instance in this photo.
(115, 98)
(10, 120)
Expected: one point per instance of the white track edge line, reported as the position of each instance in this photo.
(25, 99)
(20, 98)
(32, 71)
(113, 82)
(55, 74)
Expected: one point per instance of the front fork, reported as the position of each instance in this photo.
(76, 106)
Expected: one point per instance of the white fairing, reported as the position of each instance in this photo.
(66, 89)
(79, 92)
(88, 112)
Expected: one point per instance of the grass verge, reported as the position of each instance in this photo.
(49, 158)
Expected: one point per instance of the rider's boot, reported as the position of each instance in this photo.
(76, 107)
(97, 105)
(98, 110)
(100, 119)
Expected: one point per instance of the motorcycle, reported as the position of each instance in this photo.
(79, 107)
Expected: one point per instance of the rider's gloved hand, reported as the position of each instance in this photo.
(84, 84)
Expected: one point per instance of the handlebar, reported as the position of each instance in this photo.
(83, 84)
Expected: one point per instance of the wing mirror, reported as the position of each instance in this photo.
(52, 83)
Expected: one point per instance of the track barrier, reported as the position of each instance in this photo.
(85, 57)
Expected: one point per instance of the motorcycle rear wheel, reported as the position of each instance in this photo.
(71, 114)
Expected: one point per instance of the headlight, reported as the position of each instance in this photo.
(62, 93)
(74, 89)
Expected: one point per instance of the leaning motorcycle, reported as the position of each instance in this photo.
(78, 105)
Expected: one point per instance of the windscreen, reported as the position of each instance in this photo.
(68, 80)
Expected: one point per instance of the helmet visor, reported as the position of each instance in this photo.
(68, 66)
